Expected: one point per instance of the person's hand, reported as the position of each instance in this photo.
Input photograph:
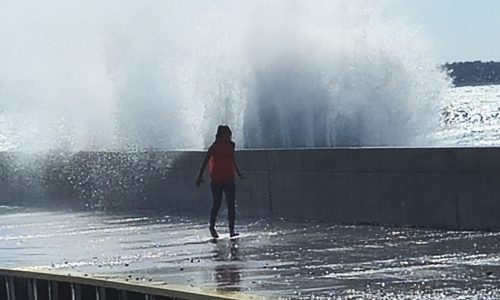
(199, 181)
(240, 175)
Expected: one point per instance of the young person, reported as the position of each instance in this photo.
(222, 168)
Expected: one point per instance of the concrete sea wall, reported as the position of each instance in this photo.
(456, 188)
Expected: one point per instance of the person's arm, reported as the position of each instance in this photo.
(199, 180)
(235, 164)
(237, 169)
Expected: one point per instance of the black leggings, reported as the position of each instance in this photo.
(229, 191)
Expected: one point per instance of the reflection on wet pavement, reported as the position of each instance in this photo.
(274, 258)
(227, 269)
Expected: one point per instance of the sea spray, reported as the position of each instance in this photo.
(125, 75)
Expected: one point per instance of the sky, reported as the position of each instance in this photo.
(458, 30)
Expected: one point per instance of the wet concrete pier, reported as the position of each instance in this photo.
(272, 258)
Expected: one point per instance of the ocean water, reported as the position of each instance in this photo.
(470, 117)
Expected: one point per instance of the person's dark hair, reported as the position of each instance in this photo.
(222, 130)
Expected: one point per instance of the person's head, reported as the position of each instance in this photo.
(224, 132)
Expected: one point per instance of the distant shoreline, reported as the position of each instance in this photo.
(473, 73)
(474, 84)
